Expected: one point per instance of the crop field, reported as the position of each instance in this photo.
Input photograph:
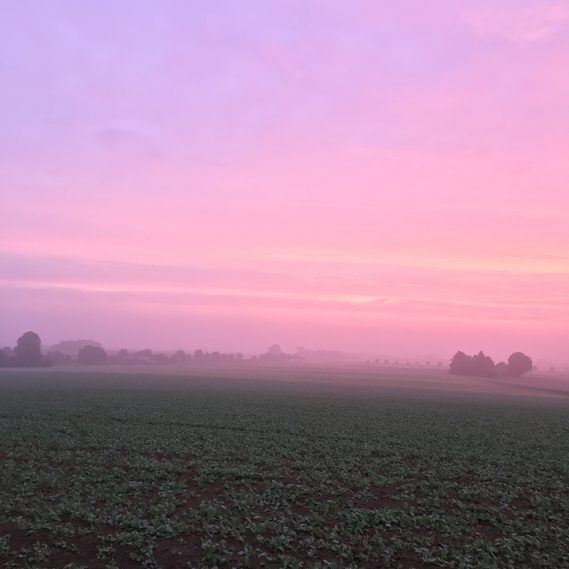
(154, 470)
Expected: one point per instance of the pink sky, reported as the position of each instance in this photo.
(366, 176)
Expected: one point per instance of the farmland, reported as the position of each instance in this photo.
(281, 468)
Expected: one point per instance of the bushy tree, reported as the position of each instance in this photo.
(481, 365)
(147, 353)
(179, 357)
(92, 355)
(57, 357)
(160, 358)
(122, 355)
(501, 369)
(28, 350)
(478, 365)
(518, 364)
(72, 347)
(275, 351)
(460, 364)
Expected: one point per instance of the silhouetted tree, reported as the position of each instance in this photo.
(501, 369)
(483, 366)
(198, 355)
(56, 357)
(92, 355)
(7, 357)
(122, 355)
(28, 350)
(518, 364)
(72, 347)
(460, 364)
(275, 351)
(160, 358)
(179, 357)
(147, 353)
(479, 365)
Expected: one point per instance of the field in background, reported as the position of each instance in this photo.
(282, 467)
(369, 380)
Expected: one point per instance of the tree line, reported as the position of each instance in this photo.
(481, 365)
(28, 353)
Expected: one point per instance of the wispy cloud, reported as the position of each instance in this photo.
(522, 23)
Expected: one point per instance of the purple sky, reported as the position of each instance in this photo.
(375, 176)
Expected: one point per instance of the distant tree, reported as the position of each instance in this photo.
(198, 355)
(72, 347)
(274, 354)
(160, 358)
(28, 350)
(518, 364)
(460, 364)
(92, 355)
(147, 353)
(501, 370)
(479, 365)
(57, 357)
(7, 357)
(122, 355)
(275, 351)
(483, 366)
(179, 357)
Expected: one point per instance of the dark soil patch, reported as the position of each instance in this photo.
(379, 497)
(175, 553)
(488, 532)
